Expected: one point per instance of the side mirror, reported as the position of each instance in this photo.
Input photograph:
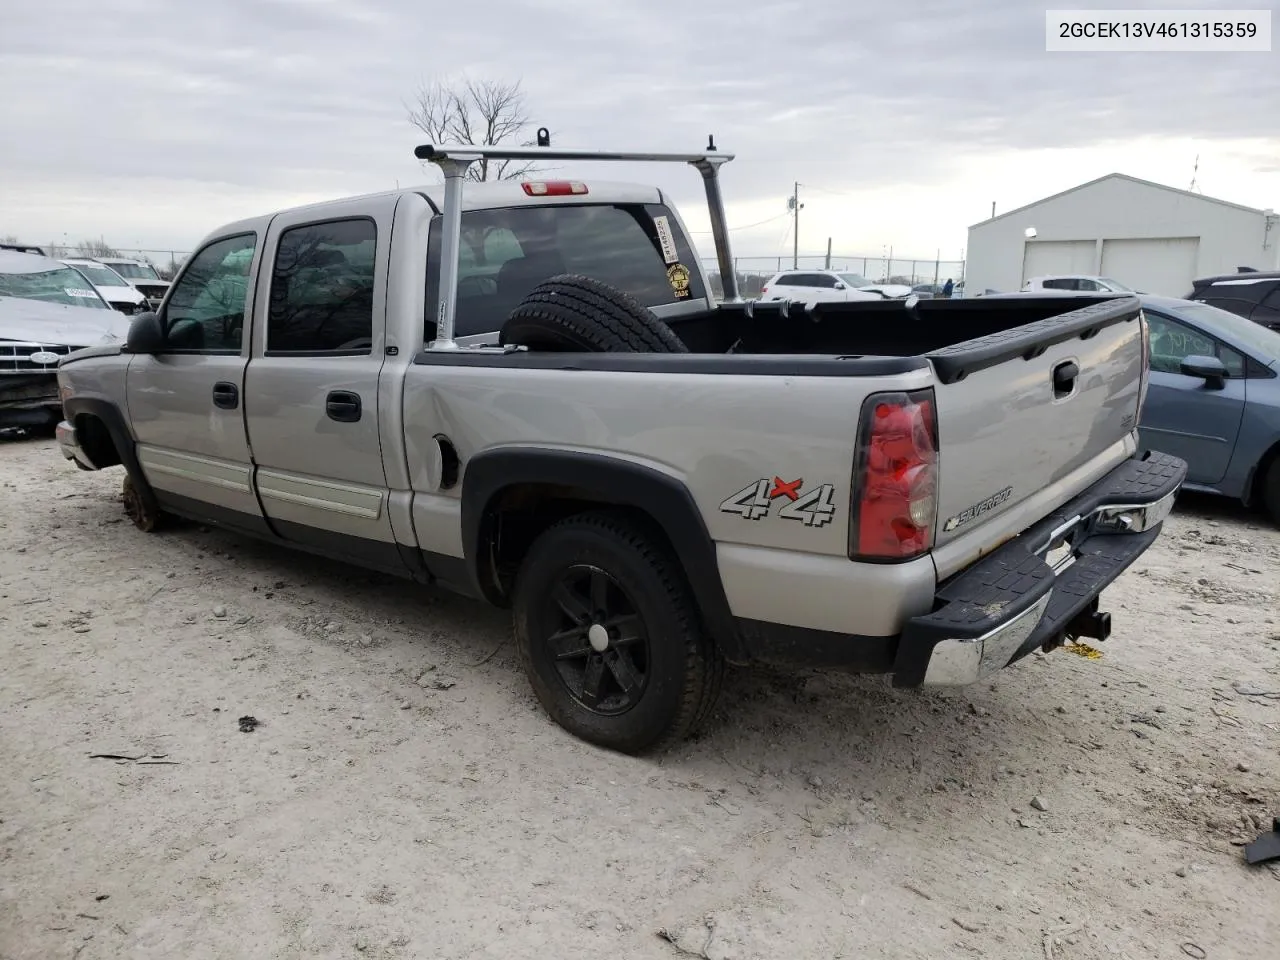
(1210, 369)
(145, 334)
(839, 285)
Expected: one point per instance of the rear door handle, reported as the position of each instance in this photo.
(343, 406)
(1064, 378)
(226, 395)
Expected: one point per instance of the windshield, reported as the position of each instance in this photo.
(1259, 340)
(1116, 285)
(62, 285)
(135, 271)
(854, 280)
(100, 276)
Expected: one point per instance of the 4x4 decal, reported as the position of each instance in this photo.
(816, 508)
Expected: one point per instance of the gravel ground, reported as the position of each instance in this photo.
(403, 795)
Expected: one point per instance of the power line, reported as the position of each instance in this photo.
(747, 226)
(834, 193)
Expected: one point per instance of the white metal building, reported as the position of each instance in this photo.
(1153, 238)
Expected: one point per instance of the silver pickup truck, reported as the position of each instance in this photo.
(525, 392)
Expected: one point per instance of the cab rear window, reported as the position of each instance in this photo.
(507, 252)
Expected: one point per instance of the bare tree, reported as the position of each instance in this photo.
(95, 248)
(479, 113)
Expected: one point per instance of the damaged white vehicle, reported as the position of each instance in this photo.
(47, 310)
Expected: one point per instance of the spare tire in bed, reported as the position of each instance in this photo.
(570, 312)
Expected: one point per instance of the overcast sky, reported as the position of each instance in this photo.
(149, 122)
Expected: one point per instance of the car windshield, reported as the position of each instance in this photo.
(101, 276)
(1259, 340)
(60, 285)
(135, 271)
(1116, 285)
(854, 280)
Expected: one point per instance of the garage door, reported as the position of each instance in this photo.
(1166, 266)
(1046, 257)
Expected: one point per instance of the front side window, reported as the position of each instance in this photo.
(506, 252)
(60, 284)
(322, 289)
(1173, 342)
(205, 312)
(855, 280)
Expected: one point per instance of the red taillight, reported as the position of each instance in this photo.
(895, 493)
(763, 291)
(554, 188)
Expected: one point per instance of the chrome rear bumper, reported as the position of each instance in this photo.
(1044, 584)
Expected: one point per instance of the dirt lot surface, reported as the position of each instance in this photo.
(404, 796)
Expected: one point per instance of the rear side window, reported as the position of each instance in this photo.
(1062, 283)
(322, 289)
(1248, 291)
(507, 252)
(1240, 307)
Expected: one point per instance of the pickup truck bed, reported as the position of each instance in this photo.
(924, 489)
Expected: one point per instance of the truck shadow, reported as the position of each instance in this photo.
(833, 741)
(766, 718)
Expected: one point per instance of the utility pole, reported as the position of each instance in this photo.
(795, 206)
(993, 209)
(828, 253)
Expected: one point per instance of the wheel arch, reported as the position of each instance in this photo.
(1254, 492)
(552, 484)
(104, 421)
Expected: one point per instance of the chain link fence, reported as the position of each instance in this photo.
(166, 262)
(753, 272)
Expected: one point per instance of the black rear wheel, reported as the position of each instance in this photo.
(609, 637)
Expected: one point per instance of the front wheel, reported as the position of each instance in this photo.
(609, 637)
(145, 516)
(1271, 491)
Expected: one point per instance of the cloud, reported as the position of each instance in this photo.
(245, 105)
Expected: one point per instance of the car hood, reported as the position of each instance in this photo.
(57, 324)
(128, 294)
(143, 281)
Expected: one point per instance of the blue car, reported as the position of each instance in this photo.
(1214, 399)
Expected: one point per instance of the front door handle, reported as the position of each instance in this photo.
(343, 406)
(226, 395)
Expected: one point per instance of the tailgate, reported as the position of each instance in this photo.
(1026, 409)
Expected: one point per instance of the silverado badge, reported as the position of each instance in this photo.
(978, 509)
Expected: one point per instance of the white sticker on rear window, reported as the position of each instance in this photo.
(77, 292)
(665, 238)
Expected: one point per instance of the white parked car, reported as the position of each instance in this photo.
(115, 289)
(815, 286)
(142, 277)
(47, 310)
(1078, 283)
